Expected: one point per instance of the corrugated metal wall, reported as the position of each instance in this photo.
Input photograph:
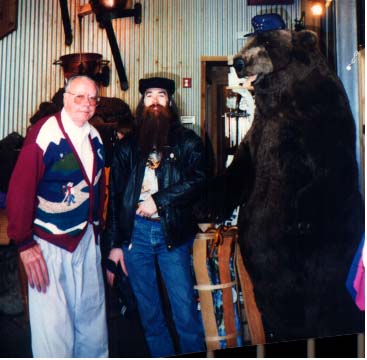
(169, 41)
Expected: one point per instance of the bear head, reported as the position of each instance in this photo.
(269, 52)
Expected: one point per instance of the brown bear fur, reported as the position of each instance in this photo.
(295, 178)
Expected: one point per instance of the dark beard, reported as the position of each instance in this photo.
(153, 132)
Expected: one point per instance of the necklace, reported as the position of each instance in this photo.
(154, 160)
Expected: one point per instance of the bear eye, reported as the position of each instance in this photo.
(262, 53)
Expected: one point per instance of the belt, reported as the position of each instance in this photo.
(149, 218)
(152, 219)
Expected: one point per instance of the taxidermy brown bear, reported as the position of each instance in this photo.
(295, 178)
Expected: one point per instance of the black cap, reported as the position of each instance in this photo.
(267, 22)
(157, 82)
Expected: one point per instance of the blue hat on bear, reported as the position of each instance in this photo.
(267, 22)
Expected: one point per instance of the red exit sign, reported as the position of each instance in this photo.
(186, 82)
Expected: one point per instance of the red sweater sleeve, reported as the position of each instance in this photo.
(21, 196)
(102, 197)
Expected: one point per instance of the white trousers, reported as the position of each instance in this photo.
(69, 320)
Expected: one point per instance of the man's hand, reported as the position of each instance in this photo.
(147, 207)
(117, 256)
(35, 268)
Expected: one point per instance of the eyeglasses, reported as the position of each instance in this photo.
(80, 98)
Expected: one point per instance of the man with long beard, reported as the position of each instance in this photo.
(156, 175)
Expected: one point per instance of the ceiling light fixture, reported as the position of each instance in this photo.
(317, 8)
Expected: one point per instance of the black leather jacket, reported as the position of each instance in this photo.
(181, 176)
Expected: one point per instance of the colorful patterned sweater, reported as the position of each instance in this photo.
(49, 193)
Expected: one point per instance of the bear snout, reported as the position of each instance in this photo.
(239, 66)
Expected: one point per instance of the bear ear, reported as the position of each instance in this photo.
(306, 39)
(304, 43)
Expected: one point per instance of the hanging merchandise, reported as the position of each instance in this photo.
(217, 266)
(241, 104)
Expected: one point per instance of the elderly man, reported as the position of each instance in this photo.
(156, 175)
(54, 206)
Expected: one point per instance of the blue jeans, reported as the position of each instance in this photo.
(147, 245)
